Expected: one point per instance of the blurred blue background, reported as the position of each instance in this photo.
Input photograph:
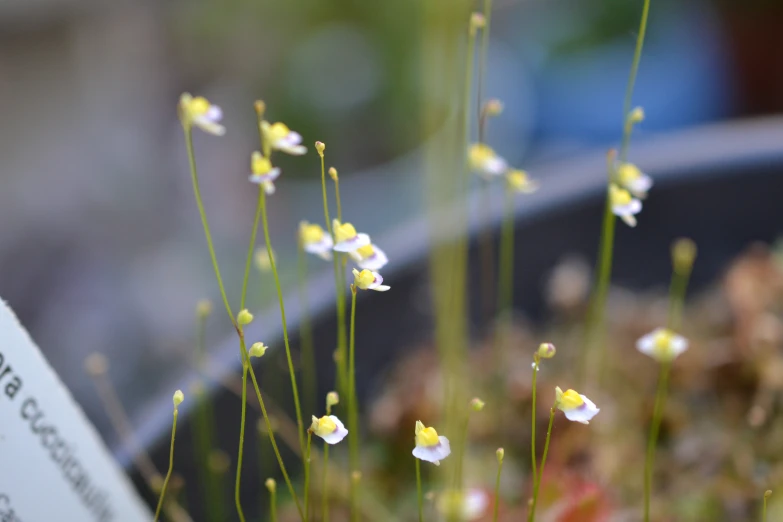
(100, 244)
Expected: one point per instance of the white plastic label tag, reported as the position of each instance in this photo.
(53, 464)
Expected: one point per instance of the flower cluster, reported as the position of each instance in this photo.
(628, 185)
(274, 136)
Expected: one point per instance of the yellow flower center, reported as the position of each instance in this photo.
(344, 232)
(663, 342)
(619, 197)
(426, 436)
(323, 426)
(311, 233)
(260, 164)
(517, 179)
(571, 400)
(628, 173)
(364, 279)
(365, 251)
(480, 154)
(198, 106)
(278, 131)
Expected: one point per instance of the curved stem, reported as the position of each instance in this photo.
(240, 453)
(532, 516)
(306, 337)
(307, 476)
(251, 248)
(637, 56)
(505, 278)
(272, 440)
(197, 193)
(325, 488)
(497, 493)
(660, 400)
(418, 490)
(533, 459)
(171, 466)
(353, 406)
(291, 372)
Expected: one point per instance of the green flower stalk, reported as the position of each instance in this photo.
(767, 494)
(476, 405)
(419, 494)
(177, 399)
(664, 345)
(332, 399)
(306, 333)
(271, 485)
(307, 476)
(353, 406)
(500, 453)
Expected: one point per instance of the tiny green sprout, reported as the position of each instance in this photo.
(333, 174)
(500, 453)
(683, 255)
(178, 398)
(767, 494)
(546, 350)
(493, 107)
(204, 308)
(244, 317)
(332, 399)
(477, 21)
(636, 115)
(271, 485)
(258, 349)
(477, 404)
(320, 146)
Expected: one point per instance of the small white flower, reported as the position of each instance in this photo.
(519, 181)
(281, 138)
(315, 240)
(369, 280)
(662, 344)
(370, 257)
(484, 161)
(329, 428)
(466, 505)
(576, 407)
(634, 180)
(199, 112)
(624, 205)
(346, 237)
(262, 172)
(430, 446)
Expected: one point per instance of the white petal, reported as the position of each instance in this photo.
(495, 166)
(640, 186)
(583, 413)
(375, 262)
(321, 248)
(349, 245)
(646, 344)
(262, 178)
(269, 187)
(381, 288)
(435, 453)
(214, 113)
(294, 150)
(377, 281)
(475, 504)
(678, 345)
(209, 126)
(338, 434)
(628, 219)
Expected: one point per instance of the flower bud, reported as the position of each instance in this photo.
(258, 349)
(500, 453)
(683, 255)
(260, 107)
(96, 364)
(204, 308)
(332, 399)
(244, 317)
(320, 146)
(333, 173)
(477, 21)
(178, 398)
(768, 493)
(477, 404)
(546, 350)
(271, 485)
(493, 107)
(636, 116)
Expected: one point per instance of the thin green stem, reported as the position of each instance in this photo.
(292, 373)
(637, 56)
(273, 506)
(337, 199)
(677, 291)
(272, 440)
(251, 248)
(497, 493)
(767, 494)
(660, 401)
(171, 466)
(482, 66)
(240, 453)
(505, 277)
(420, 496)
(307, 476)
(461, 448)
(306, 337)
(199, 202)
(533, 459)
(325, 487)
(537, 485)
(353, 406)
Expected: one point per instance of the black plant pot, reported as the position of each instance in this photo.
(720, 185)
